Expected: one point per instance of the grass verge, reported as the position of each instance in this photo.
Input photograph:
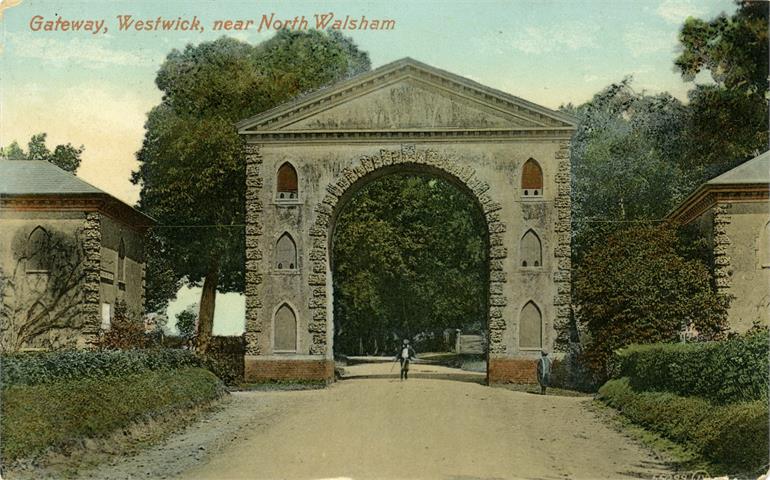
(734, 438)
(59, 415)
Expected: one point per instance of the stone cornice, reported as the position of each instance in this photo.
(707, 196)
(92, 202)
(413, 135)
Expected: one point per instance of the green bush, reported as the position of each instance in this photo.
(224, 357)
(55, 414)
(733, 435)
(38, 368)
(727, 371)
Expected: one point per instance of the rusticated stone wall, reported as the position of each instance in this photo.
(92, 246)
(721, 220)
(254, 253)
(366, 165)
(563, 234)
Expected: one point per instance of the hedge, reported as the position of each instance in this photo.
(36, 417)
(732, 370)
(734, 435)
(47, 367)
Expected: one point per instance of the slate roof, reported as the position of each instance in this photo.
(756, 170)
(751, 177)
(29, 177)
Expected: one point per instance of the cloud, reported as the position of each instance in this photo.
(535, 40)
(641, 40)
(89, 53)
(676, 11)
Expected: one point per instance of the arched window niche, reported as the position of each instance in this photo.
(37, 251)
(764, 247)
(287, 186)
(284, 330)
(531, 250)
(286, 253)
(121, 277)
(530, 327)
(531, 179)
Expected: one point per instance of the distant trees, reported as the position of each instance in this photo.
(191, 166)
(409, 257)
(626, 158)
(635, 156)
(66, 157)
(186, 320)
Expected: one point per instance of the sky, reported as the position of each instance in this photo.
(95, 89)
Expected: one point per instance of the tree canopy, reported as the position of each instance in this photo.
(191, 168)
(626, 158)
(729, 121)
(409, 257)
(65, 156)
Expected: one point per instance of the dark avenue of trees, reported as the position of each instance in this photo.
(409, 257)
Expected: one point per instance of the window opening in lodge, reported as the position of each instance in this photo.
(37, 250)
(286, 253)
(285, 330)
(122, 262)
(531, 250)
(530, 327)
(764, 247)
(532, 178)
(287, 182)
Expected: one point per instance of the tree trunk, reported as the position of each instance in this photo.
(208, 300)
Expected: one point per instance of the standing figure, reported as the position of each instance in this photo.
(543, 371)
(404, 356)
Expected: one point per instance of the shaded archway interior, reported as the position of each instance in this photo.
(412, 170)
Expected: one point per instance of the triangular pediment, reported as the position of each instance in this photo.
(405, 96)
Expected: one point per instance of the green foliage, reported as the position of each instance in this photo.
(185, 321)
(728, 371)
(55, 414)
(625, 155)
(225, 358)
(635, 286)
(409, 257)
(66, 157)
(729, 119)
(49, 367)
(161, 280)
(14, 152)
(126, 331)
(191, 166)
(735, 435)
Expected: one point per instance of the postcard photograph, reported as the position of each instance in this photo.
(436, 239)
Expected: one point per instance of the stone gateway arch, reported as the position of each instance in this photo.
(305, 158)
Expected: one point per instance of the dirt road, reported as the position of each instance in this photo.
(381, 428)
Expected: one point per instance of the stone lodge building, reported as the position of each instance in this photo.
(733, 213)
(307, 157)
(68, 253)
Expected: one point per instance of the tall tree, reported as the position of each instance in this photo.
(729, 118)
(191, 166)
(626, 157)
(66, 157)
